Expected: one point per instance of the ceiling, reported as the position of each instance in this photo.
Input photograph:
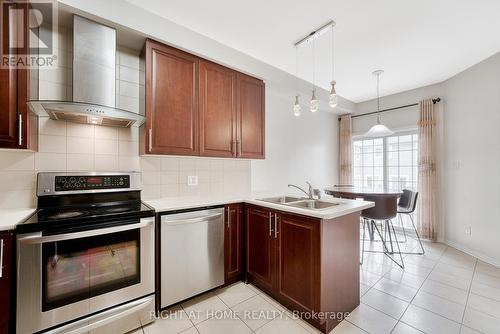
(417, 43)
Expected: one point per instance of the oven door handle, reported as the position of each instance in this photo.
(103, 319)
(38, 238)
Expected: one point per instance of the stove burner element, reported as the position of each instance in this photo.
(67, 214)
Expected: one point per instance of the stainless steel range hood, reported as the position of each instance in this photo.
(94, 77)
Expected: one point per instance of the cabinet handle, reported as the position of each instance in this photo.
(270, 224)
(20, 130)
(150, 144)
(233, 148)
(238, 148)
(228, 218)
(1, 257)
(275, 225)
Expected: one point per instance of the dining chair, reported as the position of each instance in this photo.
(406, 206)
(384, 211)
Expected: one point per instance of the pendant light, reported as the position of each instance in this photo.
(314, 104)
(296, 106)
(379, 129)
(333, 99)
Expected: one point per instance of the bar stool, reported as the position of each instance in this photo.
(385, 210)
(406, 206)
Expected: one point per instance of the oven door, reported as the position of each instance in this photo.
(71, 274)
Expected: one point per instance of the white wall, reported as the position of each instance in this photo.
(469, 161)
(472, 159)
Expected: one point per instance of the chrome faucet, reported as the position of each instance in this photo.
(311, 191)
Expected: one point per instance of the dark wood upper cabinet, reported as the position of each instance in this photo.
(233, 243)
(5, 280)
(197, 107)
(251, 117)
(217, 110)
(16, 123)
(171, 101)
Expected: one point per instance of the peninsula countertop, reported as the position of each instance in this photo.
(344, 207)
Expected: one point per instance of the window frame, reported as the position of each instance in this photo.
(385, 165)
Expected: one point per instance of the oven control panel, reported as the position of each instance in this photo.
(94, 182)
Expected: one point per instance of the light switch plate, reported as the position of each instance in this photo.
(192, 180)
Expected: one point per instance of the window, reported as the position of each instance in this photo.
(389, 162)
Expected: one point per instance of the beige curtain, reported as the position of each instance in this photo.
(345, 150)
(427, 174)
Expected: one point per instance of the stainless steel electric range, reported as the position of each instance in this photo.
(85, 259)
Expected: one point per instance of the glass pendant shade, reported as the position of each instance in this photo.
(379, 130)
(296, 106)
(333, 100)
(314, 102)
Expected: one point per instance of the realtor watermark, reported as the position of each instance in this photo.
(28, 31)
(247, 315)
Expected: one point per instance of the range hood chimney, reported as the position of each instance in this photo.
(94, 78)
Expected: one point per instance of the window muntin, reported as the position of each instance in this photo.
(386, 163)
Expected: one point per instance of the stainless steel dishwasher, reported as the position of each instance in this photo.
(192, 254)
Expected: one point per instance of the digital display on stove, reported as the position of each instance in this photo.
(72, 183)
(94, 180)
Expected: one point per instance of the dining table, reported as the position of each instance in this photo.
(386, 201)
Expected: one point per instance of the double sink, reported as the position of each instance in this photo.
(300, 202)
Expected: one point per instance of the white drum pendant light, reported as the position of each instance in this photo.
(379, 129)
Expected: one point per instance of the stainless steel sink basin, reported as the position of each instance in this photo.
(313, 204)
(281, 199)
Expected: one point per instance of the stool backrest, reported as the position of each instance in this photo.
(385, 207)
(413, 201)
(405, 199)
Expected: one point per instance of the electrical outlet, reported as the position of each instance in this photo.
(468, 230)
(457, 164)
(192, 180)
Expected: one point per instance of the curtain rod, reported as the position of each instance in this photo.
(395, 108)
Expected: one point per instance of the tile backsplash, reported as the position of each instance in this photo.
(65, 146)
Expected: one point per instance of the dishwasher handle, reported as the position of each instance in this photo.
(192, 220)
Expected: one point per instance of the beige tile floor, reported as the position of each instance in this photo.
(443, 291)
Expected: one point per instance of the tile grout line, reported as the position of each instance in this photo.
(230, 308)
(418, 290)
(468, 295)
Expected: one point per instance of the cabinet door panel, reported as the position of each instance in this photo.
(299, 261)
(9, 118)
(233, 243)
(217, 110)
(5, 281)
(171, 101)
(251, 117)
(260, 251)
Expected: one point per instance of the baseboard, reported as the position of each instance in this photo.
(479, 255)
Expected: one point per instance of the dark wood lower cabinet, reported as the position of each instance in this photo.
(260, 248)
(298, 261)
(5, 280)
(233, 244)
(309, 265)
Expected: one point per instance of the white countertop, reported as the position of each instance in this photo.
(9, 218)
(345, 206)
